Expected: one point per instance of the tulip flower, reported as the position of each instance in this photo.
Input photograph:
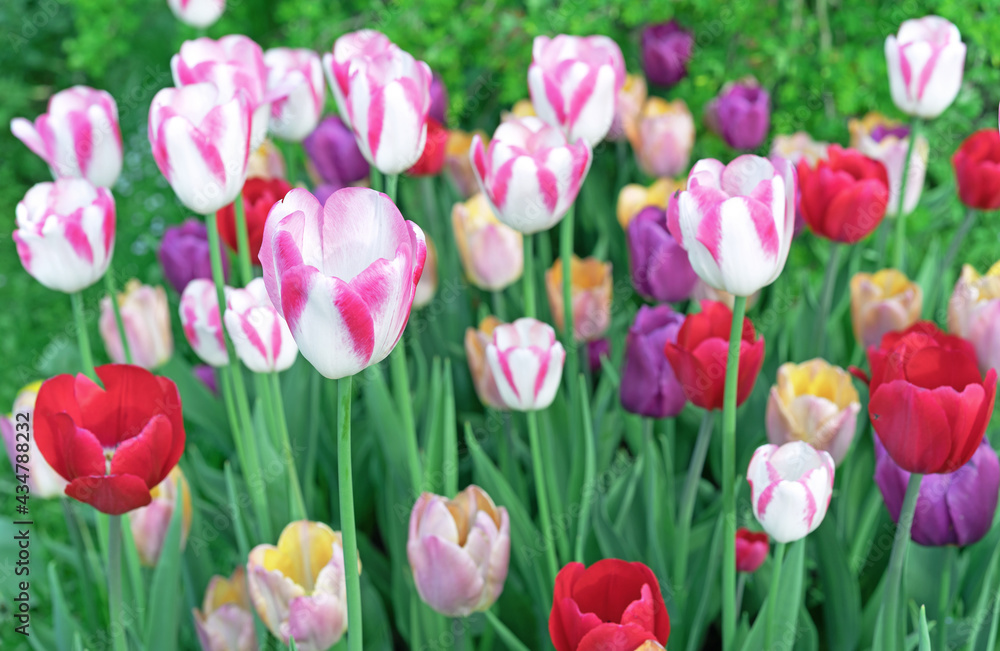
(954, 508)
(633, 197)
(660, 267)
(751, 550)
(591, 288)
(201, 143)
(260, 336)
(342, 275)
(150, 523)
(800, 146)
(184, 254)
(666, 50)
(115, 443)
(741, 114)
(977, 170)
(736, 221)
(206, 375)
(297, 76)
(146, 318)
(225, 622)
(883, 302)
(844, 197)
(78, 136)
(199, 14)
(612, 605)
(298, 587)
(974, 314)
(258, 196)
(492, 253)
(574, 83)
(530, 173)
(598, 350)
(439, 100)
(790, 488)
(459, 550)
(527, 362)
(457, 163)
(476, 342)
(663, 137)
(201, 322)
(267, 162)
(65, 233)
(628, 105)
(925, 60)
(929, 404)
(699, 356)
(427, 286)
(813, 402)
(42, 480)
(649, 386)
(887, 141)
(334, 154)
(362, 44)
(431, 161)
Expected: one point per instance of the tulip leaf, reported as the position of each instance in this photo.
(710, 579)
(434, 437)
(200, 406)
(64, 623)
(786, 608)
(164, 593)
(841, 598)
(925, 634)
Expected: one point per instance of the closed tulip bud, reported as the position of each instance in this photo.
(925, 59)
(457, 162)
(527, 362)
(150, 523)
(977, 170)
(799, 146)
(431, 161)
(184, 254)
(790, 488)
(844, 197)
(974, 314)
(666, 50)
(492, 253)
(225, 622)
(362, 44)
(741, 114)
(591, 288)
(199, 14)
(298, 587)
(42, 480)
(202, 323)
(439, 100)
(334, 154)
(146, 318)
(459, 550)
(887, 141)
(814, 402)
(267, 162)
(427, 286)
(628, 106)
(296, 75)
(78, 137)
(751, 550)
(65, 233)
(260, 336)
(664, 137)
(649, 386)
(633, 197)
(258, 196)
(660, 267)
(476, 342)
(885, 301)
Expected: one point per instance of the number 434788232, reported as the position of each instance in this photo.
(22, 444)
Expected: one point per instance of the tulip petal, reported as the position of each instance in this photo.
(143, 455)
(111, 494)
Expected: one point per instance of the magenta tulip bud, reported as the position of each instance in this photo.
(439, 100)
(297, 76)
(206, 375)
(666, 50)
(334, 155)
(527, 363)
(649, 386)
(741, 114)
(260, 336)
(660, 268)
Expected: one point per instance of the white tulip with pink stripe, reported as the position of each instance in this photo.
(260, 336)
(530, 173)
(197, 13)
(201, 143)
(790, 488)
(527, 362)
(299, 73)
(78, 136)
(202, 323)
(736, 221)
(342, 275)
(574, 83)
(926, 61)
(362, 44)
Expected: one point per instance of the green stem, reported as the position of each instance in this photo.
(401, 390)
(528, 276)
(117, 628)
(350, 535)
(889, 614)
(566, 256)
(497, 303)
(688, 498)
(772, 594)
(899, 247)
(242, 240)
(826, 296)
(375, 178)
(729, 476)
(391, 185)
(292, 155)
(505, 633)
(82, 338)
(450, 456)
(944, 596)
(650, 471)
(548, 534)
(109, 284)
(298, 501)
(621, 155)
(589, 471)
(741, 584)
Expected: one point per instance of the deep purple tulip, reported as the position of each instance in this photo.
(206, 375)
(741, 114)
(952, 509)
(666, 50)
(335, 154)
(184, 254)
(439, 100)
(649, 386)
(660, 268)
(596, 350)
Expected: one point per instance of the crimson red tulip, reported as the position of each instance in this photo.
(751, 549)
(844, 197)
(432, 159)
(612, 605)
(699, 356)
(113, 445)
(977, 170)
(929, 404)
(259, 195)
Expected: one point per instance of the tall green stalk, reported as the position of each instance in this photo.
(347, 525)
(548, 534)
(242, 240)
(298, 502)
(82, 338)
(116, 627)
(528, 276)
(109, 284)
(772, 595)
(899, 246)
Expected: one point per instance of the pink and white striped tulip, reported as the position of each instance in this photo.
(790, 488)
(527, 363)
(201, 321)
(926, 60)
(197, 13)
(201, 143)
(530, 173)
(362, 44)
(736, 221)
(343, 275)
(260, 336)
(78, 136)
(66, 233)
(574, 83)
(298, 73)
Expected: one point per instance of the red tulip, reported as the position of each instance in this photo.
(432, 159)
(258, 197)
(699, 356)
(612, 605)
(929, 404)
(844, 197)
(751, 549)
(977, 170)
(113, 444)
